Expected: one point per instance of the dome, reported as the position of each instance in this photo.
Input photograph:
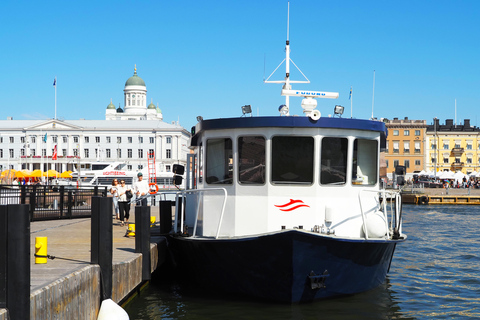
(159, 110)
(119, 110)
(135, 80)
(151, 106)
(111, 105)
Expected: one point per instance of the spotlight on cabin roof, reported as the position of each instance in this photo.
(247, 109)
(338, 110)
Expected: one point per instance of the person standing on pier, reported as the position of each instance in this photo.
(141, 188)
(114, 193)
(123, 202)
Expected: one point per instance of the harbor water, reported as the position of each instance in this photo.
(434, 275)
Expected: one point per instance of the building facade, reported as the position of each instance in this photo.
(126, 135)
(452, 147)
(405, 145)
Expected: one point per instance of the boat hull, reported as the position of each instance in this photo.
(288, 266)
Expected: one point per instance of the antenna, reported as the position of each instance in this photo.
(373, 95)
(288, 20)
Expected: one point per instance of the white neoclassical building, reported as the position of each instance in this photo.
(126, 135)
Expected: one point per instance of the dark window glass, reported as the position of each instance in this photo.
(251, 160)
(292, 160)
(219, 161)
(334, 161)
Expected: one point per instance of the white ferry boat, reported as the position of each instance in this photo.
(103, 173)
(287, 208)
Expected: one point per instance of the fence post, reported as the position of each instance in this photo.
(15, 259)
(70, 204)
(33, 202)
(62, 200)
(23, 193)
(142, 238)
(102, 243)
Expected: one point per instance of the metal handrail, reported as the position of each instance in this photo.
(384, 193)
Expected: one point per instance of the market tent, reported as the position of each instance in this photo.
(446, 175)
(22, 174)
(66, 174)
(36, 173)
(459, 176)
(51, 174)
(8, 173)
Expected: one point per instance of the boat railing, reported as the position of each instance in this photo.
(181, 196)
(391, 199)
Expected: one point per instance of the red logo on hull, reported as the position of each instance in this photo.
(292, 205)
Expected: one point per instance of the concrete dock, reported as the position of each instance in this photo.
(444, 196)
(68, 287)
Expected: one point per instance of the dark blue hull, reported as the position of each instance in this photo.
(289, 266)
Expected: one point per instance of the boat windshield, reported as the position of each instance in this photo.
(334, 161)
(219, 161)
(292, 160)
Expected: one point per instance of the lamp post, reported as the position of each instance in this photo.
(436, 146)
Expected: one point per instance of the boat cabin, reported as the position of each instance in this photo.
(279, 173)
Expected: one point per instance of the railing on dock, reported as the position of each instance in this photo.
(52, 202)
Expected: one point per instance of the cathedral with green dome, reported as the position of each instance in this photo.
(135, 103)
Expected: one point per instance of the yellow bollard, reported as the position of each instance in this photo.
(131, 230)
(153, 219)
(41, 250)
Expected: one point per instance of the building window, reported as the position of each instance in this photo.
(119, 139)
(65, 139)
(417, 147)
(386, 162)
(446, 146)
(109, 153)
(130, 140)
(54, 139)
(469, 160)
(417, 132)
(469, 147)
(152, 140)
(169, 154)
(417, 162)
(140, 139)
(22, 139)
(87, 139)
(406, 146)
(12, 140)
(396, 146)
(86, 153)
(32, 152)
(395, 132)
(169, 139)
(97, 139)
(395, 163)
(434, 160)
(434, 146)
(12, 153)
(445, 160)
(406, 132)
(129, 153)
(457, 160)
(109, 139)
(407, 163)
(129, 167)
(75, 139)
(140, 167)
(32, 138)
(457, 144)
(140, 153)
(64, 152)
(1, 153)
(119, 153)
(150, 152)
(168, 168)
(22, 152)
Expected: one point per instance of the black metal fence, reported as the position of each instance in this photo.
(52, 202)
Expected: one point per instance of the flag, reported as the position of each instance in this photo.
(55, 82)
(349, 97)
(54, 156)
(45, 138)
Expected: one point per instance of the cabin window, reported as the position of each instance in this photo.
(334, 161)
(365, 160)
(219, 161)
(200, 163)
(251, 160)
(292, 160)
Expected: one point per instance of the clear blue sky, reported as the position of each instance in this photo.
(207, 57)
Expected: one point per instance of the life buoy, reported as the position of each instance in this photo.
(151, 189)
(423, 200)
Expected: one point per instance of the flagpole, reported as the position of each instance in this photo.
(373, 95)
(351, 102)
(55, 86)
